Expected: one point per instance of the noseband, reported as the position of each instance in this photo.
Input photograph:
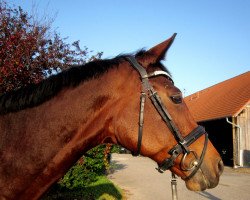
(182, 142)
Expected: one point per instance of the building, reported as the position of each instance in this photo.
(224, 110)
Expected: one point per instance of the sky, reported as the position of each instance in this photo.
(212, 43)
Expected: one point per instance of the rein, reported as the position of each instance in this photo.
(182, 142)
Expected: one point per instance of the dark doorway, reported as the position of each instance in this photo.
(220, 134)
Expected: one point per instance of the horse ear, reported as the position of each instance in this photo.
(156, 53)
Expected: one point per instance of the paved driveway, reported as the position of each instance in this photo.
(138, 177)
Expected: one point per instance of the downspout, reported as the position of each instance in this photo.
(238, 164)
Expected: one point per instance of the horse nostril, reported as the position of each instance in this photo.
(220, 167)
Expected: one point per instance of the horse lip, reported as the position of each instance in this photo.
(203, 182)
(220, 167)
(208, 185)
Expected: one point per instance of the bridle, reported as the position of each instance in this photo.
(182, 142)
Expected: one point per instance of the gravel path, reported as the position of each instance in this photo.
(140, 181)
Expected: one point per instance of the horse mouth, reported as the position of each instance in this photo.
(201, 184)
(204, 179)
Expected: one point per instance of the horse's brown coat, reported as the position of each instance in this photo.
(39, 143)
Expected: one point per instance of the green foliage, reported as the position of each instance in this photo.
(115, 149)
(86, 170)
(86, 179)
(30, 49)
(94, 160)
(78, 176)
(101, 189)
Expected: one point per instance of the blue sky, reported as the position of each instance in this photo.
(212, 43)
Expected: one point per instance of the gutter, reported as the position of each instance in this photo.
(238, 164)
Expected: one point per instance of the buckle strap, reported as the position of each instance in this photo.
(195, 134)
(143, 73)
(169, 162)
(141, 122)
(177, 149)
(156, 100)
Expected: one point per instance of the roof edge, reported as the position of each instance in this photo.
(199, 91)
(241, 108)
(207, 120)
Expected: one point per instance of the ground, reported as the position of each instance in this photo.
(140, 181)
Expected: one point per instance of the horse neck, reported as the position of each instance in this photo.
(70, 124)
(84, 116)
(96, 108)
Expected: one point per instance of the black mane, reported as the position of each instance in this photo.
(36, 94)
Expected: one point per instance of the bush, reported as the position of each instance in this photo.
(85, 178)
(101, 189)
(77, 177)
(92, 165)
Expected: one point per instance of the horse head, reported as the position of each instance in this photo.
(160, 126)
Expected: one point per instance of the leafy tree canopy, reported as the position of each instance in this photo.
(30, 50)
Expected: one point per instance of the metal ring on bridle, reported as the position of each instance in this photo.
(197, 167)
(193, 164)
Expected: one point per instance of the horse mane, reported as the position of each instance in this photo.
(36, 94)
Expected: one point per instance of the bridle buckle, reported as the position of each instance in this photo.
(183, 144)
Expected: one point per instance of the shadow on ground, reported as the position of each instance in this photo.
(116, 166)
(208, 195)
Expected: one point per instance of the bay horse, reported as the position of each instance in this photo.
(130, 100)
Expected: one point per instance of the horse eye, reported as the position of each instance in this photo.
(176, 99)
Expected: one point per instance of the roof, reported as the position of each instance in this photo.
(225, 99)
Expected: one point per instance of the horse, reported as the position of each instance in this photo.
(129, 100)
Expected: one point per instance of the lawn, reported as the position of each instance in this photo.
(102, 189)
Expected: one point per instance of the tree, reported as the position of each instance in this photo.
(29, 51)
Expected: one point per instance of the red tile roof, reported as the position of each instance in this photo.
(225, 99)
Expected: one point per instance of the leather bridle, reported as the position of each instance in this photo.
(182, 142)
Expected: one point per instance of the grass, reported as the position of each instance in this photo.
(102, 189)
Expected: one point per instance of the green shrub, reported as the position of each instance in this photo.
(78, 176)
(93, 164)
(101, 189)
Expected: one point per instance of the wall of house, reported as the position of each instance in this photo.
(243, 121)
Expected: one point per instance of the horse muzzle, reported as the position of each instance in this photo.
(205, 178)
